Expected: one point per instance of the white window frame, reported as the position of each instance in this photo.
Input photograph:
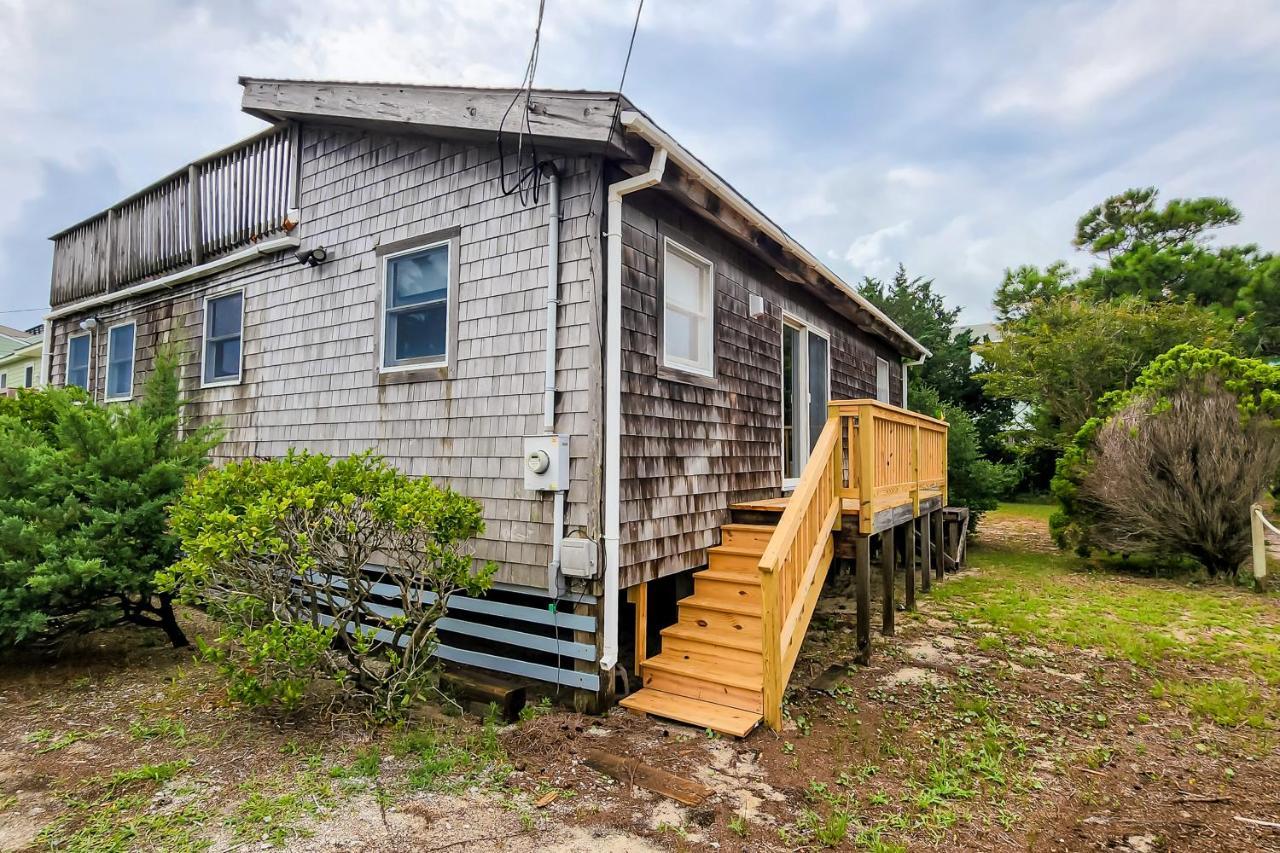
(802, 408)
(4, 381)
(88, 365)
(29, 377)
(133, 361)
(386, 364)
(204, 340)
(882, 391)
(707, 321)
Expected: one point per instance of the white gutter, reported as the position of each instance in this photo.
(267, 247)
(905, 364)
(613, 396)
(549, 383)
(640, 125)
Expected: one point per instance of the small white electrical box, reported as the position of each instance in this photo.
(546, 462)
(756, 303)
(578, 558)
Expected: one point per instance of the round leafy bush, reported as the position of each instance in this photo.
(325, 572)
(1172, 465)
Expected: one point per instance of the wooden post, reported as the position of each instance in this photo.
(193, 214)
(915, 470)
(866, 468)
(1257, 528)
(862, 551)
(886, 598)
(771, 651)
(938, 568)
(586, 701)
(909, 561)
(639, 596)
(926, 575)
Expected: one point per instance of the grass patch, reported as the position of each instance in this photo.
(164, 728)
(454, 756)
(1228, 702)
(120, 818)
(276, 809)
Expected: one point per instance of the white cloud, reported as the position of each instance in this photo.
(869, 253)
(1071, 59)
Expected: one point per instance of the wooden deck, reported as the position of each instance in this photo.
(726, 662)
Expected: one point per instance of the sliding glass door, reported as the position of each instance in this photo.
(806, 386)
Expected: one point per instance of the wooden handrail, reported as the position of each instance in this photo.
(879, 455)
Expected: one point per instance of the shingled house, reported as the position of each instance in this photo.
(576, 322)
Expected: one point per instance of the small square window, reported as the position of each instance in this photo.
(120, 361)
(78, 361)
(688, 325)
(416, 307)
(223, 324)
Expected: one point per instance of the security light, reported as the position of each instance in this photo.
(312, 257)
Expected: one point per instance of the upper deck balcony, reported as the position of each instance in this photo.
(206, 210)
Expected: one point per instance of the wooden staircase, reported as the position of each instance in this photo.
(726, 662)
(709, 671)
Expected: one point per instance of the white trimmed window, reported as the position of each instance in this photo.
(882, 380)
(29, 378)
(223, 328)
(688, 309)
(120, 347)
(78, 347)
(415, 307)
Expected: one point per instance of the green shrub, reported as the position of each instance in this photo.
(282, 551)
(1171, 466)
(972, 481)
(83, 494)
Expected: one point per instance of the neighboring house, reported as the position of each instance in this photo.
(364, 274)
(21, 359)
(979, 333)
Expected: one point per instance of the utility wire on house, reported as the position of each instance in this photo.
(526, 179)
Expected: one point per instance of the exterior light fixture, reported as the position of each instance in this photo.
(312, 257)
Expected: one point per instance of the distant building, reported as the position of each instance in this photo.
(20, 359)
(979, 333)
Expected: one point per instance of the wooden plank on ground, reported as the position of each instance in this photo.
(632, 771)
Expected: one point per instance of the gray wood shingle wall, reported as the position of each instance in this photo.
(309, 333)
(692, 448)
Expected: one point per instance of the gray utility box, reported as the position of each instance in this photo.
(546, 462)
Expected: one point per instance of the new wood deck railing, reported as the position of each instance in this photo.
(883, 457)
(198, 213)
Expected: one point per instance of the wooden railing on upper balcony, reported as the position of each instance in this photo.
(881, 456)
(225, 201)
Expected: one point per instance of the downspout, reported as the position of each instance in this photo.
(613, 395)
(549, 384)
(46, 354)
(905, 364)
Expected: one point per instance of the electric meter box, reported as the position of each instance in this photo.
(546, 462)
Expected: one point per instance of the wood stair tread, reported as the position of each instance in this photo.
(748, 578)
(705, 603)
(707, 715)
(676, 665)
(719, 638)
(736, 550)
(749, 528)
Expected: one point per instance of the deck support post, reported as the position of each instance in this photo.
(639, 596)
(887, 595)
(909, 561)
(926, 549)
(862, 551)
(939, 569)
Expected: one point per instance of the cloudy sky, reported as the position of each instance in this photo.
(959, 138)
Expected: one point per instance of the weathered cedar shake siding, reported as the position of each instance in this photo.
(692, 448)
(310, 380)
